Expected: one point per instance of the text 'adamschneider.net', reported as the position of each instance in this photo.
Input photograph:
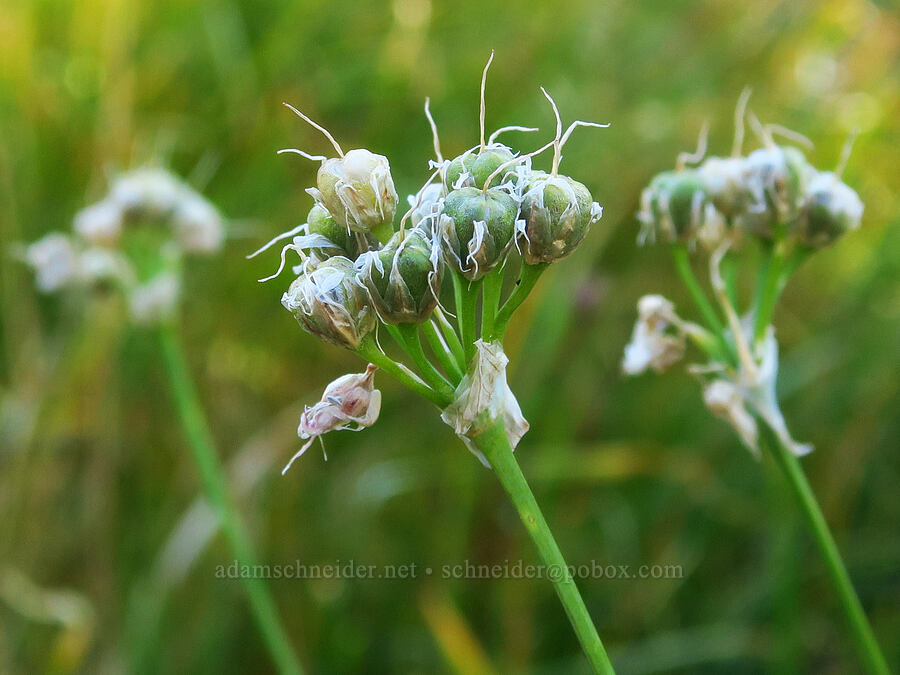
(464, 570)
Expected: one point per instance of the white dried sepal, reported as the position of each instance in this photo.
(482, 397)
(350, 402)
(100, 223)
(54, 260)
(155, 300)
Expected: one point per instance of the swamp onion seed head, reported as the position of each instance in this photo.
(403, 279)
(357, 189)
(558, 212)
(832, 208)
(477, 227)
(328, 302)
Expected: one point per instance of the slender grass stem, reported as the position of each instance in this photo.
(528, 277)
(449, 333)
(490, 301)
(495, 446)
(683, 266)
(369, 351)
(866, 645)
(443, 352)
(407, 334)
(215, 486)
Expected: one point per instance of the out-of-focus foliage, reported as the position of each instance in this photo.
(94, 476)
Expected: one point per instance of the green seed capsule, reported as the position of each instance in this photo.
(776, 179)
(832, 208)
(403, 278)
(477, 227)
(328, 302)
(347, 243)
(672, 206)
(476, 166)
(558, 212)
(357, 189)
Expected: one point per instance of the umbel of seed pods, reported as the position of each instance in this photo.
(359, 270)
(133, 239)
(773, 196)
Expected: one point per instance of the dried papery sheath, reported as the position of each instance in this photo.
(403, 278)
(357, 189)
(155, 300)
(198, 225)
(658, 341)
(558, 212)
(477, 228)
(100, 223)
(762, 397)
(54, 260)
(832, 208)
(328, 302)
(482, 397)
(726, 401)
(350, 402)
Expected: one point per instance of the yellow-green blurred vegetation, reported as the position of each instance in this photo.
(104, 560)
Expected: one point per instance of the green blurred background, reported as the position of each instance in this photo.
(101, 529)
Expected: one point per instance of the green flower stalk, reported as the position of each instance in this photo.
(775, 197)
(477, 218)
(135, 240)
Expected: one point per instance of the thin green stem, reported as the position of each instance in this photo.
(452, 339)
(729, 272)
(683, 266)
(490, 301)
(867, 647)
(442, 351)
(370, 352)
(528, 277)
(769, 292)
(215, 486)
(407, 334)
(495, 446)
(466, 295)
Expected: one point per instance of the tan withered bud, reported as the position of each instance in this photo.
(327, 302)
